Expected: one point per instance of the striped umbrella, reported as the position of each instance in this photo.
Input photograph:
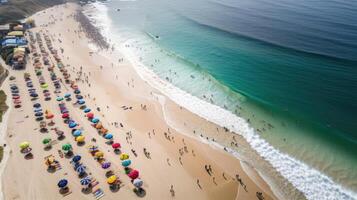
(85, 181)
(106, 165)
(80, 169)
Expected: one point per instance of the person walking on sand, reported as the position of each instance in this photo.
(172, 191)
(198, 183)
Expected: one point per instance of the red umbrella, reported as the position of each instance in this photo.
(116, 145)
(65, 115)
(134, 174)
(90, 115)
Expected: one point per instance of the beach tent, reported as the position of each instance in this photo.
(134, 174)
(126, 163)
(62, 183)
(112, 179)
(16, 33)
(138, 182)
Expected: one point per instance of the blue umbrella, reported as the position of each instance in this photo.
(126, 163)
(72, 124)
(81, 169)
(62, 183)
(87, 110)
(81, 102)
(106, 165)
(108, 136)
(79, 96)
(85, 181)
(76, 158)
(95, 120)
(37, 110)
(67, 95)
(77, 133)
(77, 92)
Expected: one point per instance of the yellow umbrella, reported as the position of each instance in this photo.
(99, 154)
(44, 86)
(24, 145)
(80, 138)
(124, 156)
(112, 179)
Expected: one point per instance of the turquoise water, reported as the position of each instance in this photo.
(289, 67)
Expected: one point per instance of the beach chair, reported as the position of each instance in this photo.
(98, 193)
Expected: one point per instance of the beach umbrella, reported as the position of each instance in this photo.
(80, 169)
(87, 110)
(65, 115)
(24, 145)
(95, 120)
(90, 115)
(38, 114)
(99, 154)
(108, 136)
(59, 98)
(138, 182)
(124, 156)
(44, 86)
(77, 91)
(85, 181)
(46, 141)
(112, 179)
(80, 138)
(106, 165)
(72, 124)
(134, 174)
(98, 126)
(92, 148)
(49, 116)
(81, 102)
(116, 145)
(77, 133)
(62, 183)
(66, 147)
(79, 96)
(76, 158)
(126, 163)
(67, 95)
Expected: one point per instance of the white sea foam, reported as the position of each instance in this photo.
(309, 181)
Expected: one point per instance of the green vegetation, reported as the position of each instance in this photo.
(1, 152)
(3, 106)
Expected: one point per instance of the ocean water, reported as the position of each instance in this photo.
(281, 73)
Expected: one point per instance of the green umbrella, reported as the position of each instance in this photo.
(66, 147)
(46, 141)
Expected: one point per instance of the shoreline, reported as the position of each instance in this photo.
(264, 149)
(103, 87)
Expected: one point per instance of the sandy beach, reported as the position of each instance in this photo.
(171, 154)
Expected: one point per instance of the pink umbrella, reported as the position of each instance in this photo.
(134, 174)
(116, 145)
(65, 115)
(90, 115)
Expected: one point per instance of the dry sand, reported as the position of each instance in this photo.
(29, 179)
